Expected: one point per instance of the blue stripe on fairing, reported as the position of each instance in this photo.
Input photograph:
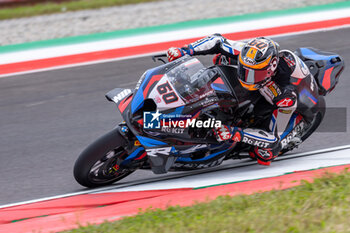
(202, 159)
(308, 94)
(135, 153)
(219, 87)
(137, 101)
(149, 142)
(290, 126)
(254, 136)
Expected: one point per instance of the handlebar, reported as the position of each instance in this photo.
(159, 57)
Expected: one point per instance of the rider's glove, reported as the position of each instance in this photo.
(225, 133)
(220, 59)
(175, 53)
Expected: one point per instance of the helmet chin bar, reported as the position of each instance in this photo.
(249, 87)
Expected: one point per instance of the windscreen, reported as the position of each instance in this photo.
(190, 80)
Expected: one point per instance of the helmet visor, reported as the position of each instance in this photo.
(249, 77)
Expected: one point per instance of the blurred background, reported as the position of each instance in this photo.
(51, 19)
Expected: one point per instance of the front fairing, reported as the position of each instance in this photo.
(183, 87)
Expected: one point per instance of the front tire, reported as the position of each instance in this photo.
(98, 164)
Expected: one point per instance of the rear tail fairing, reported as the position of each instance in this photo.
(326, 67)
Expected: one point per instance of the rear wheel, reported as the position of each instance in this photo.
(98, 164)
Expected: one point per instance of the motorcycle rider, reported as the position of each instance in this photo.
(261, 67)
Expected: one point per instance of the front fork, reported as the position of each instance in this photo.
(135, 152)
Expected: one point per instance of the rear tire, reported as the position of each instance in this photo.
(95, 165)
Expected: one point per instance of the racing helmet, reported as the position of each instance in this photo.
(257, 62)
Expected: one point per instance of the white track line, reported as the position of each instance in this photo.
(80, 64)
(151, 54)
(110, 188)
(173, 35)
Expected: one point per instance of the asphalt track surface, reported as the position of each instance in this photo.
(48, 118)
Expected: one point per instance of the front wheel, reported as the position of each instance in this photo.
(98, 164)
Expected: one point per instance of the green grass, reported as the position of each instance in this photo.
(322, 206)
(50, 7)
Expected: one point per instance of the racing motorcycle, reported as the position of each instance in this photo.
(170, 115)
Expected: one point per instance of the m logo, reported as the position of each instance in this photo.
(151, 120)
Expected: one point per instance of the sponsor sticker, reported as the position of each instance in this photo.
(137, 143)
(286, 102)
(297, 130)
(285, 111)
(121, 95)
(176, 123)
